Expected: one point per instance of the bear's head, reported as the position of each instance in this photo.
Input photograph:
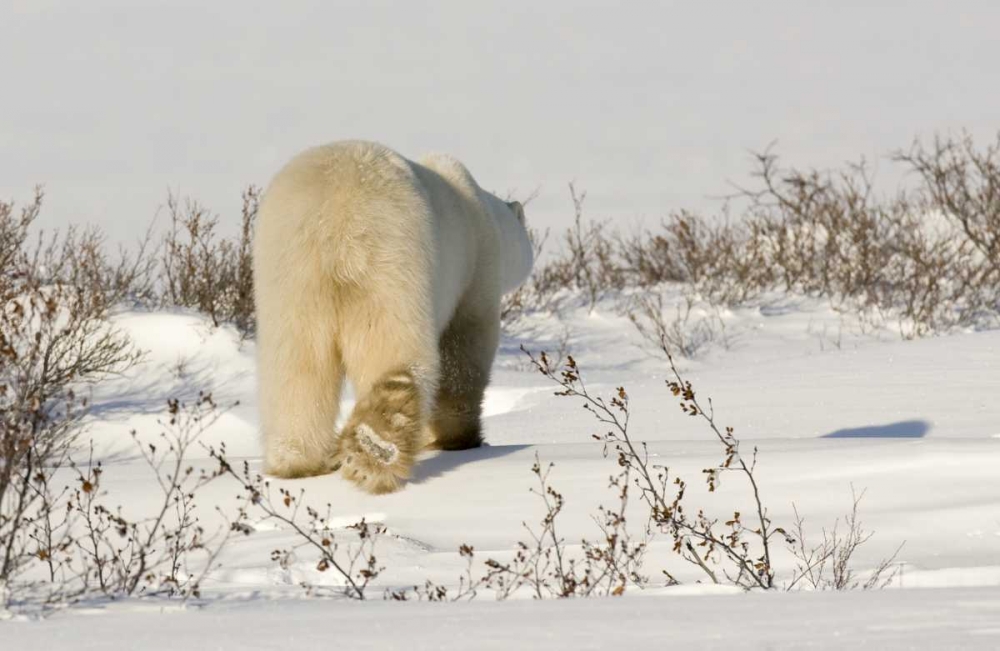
(517, 209)
(518, 254)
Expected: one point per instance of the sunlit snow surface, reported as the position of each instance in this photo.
(913, 423)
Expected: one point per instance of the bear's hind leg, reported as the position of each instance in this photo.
(467, 348)
(380, 441)
(300, 378)
(392, 360)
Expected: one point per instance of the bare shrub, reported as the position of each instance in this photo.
(546, 566)
(648, 258)
(588, 261)
(682, 333)
(84, 546)
(962, 182)
(829, 564)
(313, 530)
(167, 551)
(208, 273)
(14, 227)
(33, 441)
(78, 259)
(590, 254)
(594, 260)
(743, 550)
(87, 547)
(560, 349)
(54, 340)
(718, 261)
(739, 550)
(828, 234)
(537, 294)
(55, 303)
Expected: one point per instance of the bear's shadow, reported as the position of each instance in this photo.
(444, 462)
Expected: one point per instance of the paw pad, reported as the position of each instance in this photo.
(377, 447)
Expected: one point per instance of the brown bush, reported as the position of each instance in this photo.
(827, 234)
(587, 262)
(202, 271)
(962, 183)
(55, 338)
(533, 296)
(824, 234)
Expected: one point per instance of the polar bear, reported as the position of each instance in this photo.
(389, 272)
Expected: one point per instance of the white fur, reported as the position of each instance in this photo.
(362, 259)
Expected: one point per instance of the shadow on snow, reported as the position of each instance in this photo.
(906, 429)
(444, 462)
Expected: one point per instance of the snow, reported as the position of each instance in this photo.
(957, 618)
(911, 423)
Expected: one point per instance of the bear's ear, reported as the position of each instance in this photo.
(517, 209)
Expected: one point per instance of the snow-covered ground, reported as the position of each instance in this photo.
(955, 618)
(915, 424)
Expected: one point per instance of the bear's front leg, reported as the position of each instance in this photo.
(467, 348)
